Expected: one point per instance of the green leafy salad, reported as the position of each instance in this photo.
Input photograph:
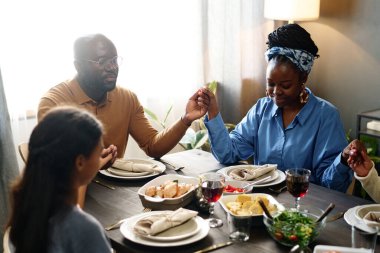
(292, 228)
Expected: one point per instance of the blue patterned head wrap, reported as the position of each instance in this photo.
(301, 58)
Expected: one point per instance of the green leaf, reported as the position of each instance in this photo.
(189, 137)
(213, 86)
(375, 159)
(167, 114)
(152, 115)
(202, 124)
(348, 135)
(229, 126)
(370, 143)
(201, 138)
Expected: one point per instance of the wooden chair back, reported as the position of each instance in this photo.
(23, 150)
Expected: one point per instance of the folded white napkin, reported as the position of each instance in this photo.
(372, 219)
(250, 172)
(155, 224)
(124, 168)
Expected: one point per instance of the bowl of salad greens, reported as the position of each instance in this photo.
(291, 226)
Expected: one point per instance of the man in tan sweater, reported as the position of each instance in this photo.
(94, 89)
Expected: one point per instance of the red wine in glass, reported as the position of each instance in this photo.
(297, 182)
(297, 189)
(212, 190)
(212, 185)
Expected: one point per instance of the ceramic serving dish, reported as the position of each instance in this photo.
(257, 218)
(157, 203)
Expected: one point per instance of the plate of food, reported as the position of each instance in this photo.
(247, 204)
(362, 211)
(182, 235)
(134, 169)
(254, 173)
(186, 229)
(354, 219)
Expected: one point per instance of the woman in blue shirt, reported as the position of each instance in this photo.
(291, 127)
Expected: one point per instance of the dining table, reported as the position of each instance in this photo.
(122, 201)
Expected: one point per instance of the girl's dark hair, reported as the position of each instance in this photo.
(47, 180)
(292, 36)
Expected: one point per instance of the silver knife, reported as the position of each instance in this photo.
(213, 247)
(104, 184)
(335, 217)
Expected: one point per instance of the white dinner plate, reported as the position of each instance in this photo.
(138, 176)
(187, 229)
(127, 231)
(277, 176)
(329, 248)
(350, 218)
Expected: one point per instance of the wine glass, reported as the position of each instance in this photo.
(212, 185)
(297, 182)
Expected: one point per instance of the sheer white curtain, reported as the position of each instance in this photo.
(170, 48)
(234, 36)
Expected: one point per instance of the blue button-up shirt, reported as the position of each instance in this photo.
(313, 140)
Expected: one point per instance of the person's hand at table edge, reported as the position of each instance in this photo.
(108, 157)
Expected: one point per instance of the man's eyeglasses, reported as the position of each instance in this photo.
(108, 63)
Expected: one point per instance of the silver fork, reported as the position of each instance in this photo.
(118, 224)
(278, 190)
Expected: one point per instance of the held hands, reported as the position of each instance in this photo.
(108, 157)
(356, 156)
(196, 107)
(213, 109)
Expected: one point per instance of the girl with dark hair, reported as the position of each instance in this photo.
(291, 127)
(64, 154)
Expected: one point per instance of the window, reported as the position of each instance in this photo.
(159, 41)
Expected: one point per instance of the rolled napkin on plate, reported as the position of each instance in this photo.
(372, 219)
(250, 172)
(124, 168)
(154, 224)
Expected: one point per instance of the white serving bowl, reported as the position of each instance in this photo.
(257, 219)
(156, 203)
